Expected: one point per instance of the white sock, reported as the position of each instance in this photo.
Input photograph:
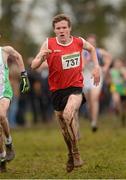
(8, 140)
(93, 123)
(3, 154)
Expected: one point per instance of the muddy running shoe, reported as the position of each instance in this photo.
(70, 163)
(78, 162)
(94, 128)
(2, 165)
(10, 153)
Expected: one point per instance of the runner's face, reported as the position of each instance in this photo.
(92, 41)
(62, 31)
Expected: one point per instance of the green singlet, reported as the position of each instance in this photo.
(118, 84)
(5, 87)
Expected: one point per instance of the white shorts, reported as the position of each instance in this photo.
(89, 82)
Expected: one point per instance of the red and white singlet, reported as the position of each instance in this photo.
(65, 64)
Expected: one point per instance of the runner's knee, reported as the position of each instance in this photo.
(2, 117)
(67, 115)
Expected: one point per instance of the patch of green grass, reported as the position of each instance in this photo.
(41, 152)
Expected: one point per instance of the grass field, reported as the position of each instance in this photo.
(41, 152)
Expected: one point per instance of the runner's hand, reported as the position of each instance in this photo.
(96, 75)
(24, 84)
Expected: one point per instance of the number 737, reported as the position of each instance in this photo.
(72, 62)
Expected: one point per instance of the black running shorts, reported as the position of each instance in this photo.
(59, 98)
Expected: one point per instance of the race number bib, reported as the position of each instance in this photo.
(71, 60)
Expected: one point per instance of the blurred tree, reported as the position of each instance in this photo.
(10, 35)
(6, 22)
(122, 13)
(22, 25)
(97, 17)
